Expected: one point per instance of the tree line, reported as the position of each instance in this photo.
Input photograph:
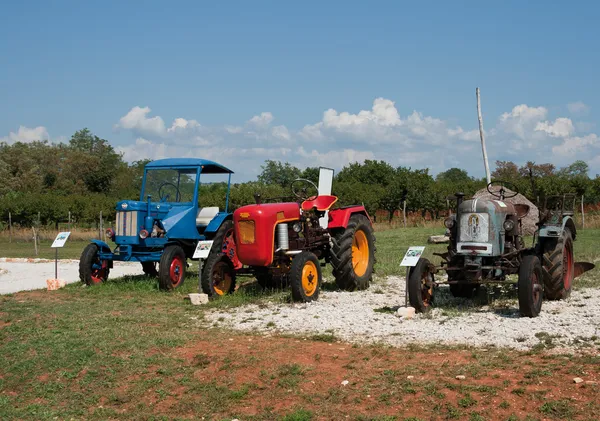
(43, 182)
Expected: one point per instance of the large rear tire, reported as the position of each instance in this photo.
(92, 270)
(218, 276)
(172, 268)
(559, 267)
(531, 289)
(353, 254)
(305, 277)
(420, 286)
(223, 243)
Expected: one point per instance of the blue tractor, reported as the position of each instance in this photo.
(163, 228)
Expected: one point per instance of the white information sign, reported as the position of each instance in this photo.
(60, 239)
(202, 249)
(412, 256)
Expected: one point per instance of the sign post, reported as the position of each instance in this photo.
(59, 242)
(412, 256)
(201, 253)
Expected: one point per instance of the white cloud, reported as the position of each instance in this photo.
(26, 135)
(578, 108)
(341, 137)
(562, 127)
(264, 119)
(572, 145)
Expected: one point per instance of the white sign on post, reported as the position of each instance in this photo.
(202, 249)
(60, 239)
(412, 256)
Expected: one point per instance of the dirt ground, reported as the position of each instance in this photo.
(336, 380)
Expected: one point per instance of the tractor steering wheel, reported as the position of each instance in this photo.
(301, 192)
(164, 197)
(500, 194)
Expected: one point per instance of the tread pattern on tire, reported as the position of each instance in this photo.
(164, 268)
(552, 268)
(415, 297)
(85, 264)
(206, 281)
(527, 307)
(217, 247)
(341, 254)
(295, 275)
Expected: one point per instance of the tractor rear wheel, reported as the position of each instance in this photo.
(305, 277)
(172, 267)
(92, 270)
(420, 286)
(531, 288)
(149, 269)
(218, 276)
(559, 267)
(353, 254)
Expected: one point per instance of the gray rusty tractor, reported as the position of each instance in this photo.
(487, 245)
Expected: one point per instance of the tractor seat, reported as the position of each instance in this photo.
(322, 203)
(205, 215)
(522, 210)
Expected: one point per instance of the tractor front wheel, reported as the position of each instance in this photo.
(305, 277)
(353, 254)
(92, 270)
(531, 289)
(171, 270)
(559, 267)
(420, 286)
(218, 276)
(149, 269)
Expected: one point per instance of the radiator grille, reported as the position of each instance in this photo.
(126, 223)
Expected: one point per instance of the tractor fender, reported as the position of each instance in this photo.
(338, 218)
(570, 224)
(549, 231)
(214, 225)
(102, 246)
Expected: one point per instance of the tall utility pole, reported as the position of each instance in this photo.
(485, 158)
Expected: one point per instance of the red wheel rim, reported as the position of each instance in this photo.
(99, 275)
(176, 270)
(567, 266)
(229, 249)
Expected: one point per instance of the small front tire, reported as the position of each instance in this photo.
(218, 275)
(305, 277)
(92, 270)
(421, 286)
(172, 267)
(531, 288)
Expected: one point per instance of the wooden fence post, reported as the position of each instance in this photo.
(35, 244)
(582, 214)
(404, 213)
(69, 221)
(9, 227)
(100, 227)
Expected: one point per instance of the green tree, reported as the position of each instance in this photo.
(274, 172)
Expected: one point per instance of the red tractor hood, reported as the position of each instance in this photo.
(255, 237)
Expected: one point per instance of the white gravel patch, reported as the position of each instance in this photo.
(23, 276)
(570, 324)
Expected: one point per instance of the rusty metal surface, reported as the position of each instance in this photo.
(582, 267)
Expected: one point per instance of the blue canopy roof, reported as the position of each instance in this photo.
(208, 167)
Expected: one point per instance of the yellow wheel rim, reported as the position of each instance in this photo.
(221, 279)
(310, 278)
(360, 253)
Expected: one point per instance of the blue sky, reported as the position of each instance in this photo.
(241, 82)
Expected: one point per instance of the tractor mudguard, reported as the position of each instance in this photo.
(102, 246)
(555, 232)
(214, 225)
(338, 218)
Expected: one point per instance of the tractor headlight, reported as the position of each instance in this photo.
(143, 234)
(449, 222)
(508, 225)
(297, 227)
(110, 233)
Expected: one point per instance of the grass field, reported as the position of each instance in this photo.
(124, 350)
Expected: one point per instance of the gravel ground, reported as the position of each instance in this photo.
(18, 276)
(562, 325)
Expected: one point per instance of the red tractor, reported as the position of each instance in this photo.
(285, 244)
